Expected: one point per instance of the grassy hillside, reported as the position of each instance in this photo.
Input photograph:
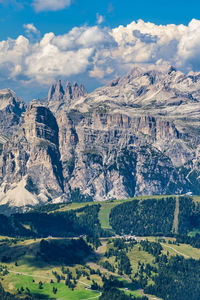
(23, 267)
(26, 268)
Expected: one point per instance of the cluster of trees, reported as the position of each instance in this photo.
(108, 266)
(119, 251)
(194, 241)
(71, 280)
(48, 207)
(7, 296)
(72, 251)
(151, 247)
(155, 216)
(124, 265)
(94, 240)
(111, 291)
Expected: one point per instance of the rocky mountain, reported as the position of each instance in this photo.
(30, 163)
(138, 135)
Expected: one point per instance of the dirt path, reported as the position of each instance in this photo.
(177, 251)
(149, 297)
(108, 272)
(40, 276)
(176, 213)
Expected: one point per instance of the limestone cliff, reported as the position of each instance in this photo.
(30, 163)
(138, 135)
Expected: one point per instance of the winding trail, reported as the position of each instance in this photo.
(40, 276)
(149, 296)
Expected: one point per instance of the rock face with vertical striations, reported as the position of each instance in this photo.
(30, 166)
(138, 135)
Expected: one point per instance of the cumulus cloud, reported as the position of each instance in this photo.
(50, 5)
(53, 56)
(100, 53)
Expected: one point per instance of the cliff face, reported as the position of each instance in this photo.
(139, 135)
(30, 163)
(115, 156)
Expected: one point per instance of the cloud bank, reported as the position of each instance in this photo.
(100, 53)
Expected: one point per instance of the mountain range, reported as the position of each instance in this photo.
(138, 135)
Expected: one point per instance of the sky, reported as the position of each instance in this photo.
(92, 42)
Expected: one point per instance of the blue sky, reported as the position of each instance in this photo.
(16, 13)
(89, 42)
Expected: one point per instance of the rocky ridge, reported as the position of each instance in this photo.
(138, 135)
(57, 95)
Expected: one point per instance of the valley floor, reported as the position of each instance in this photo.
(26, 270)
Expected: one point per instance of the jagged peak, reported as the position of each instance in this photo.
(71, 91)
(59, 87)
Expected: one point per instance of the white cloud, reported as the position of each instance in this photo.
(100, 18)
(50, 5)
(100, 53)
(53, 56)
(12, 55)
(31, 28)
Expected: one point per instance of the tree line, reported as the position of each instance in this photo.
(83, 221)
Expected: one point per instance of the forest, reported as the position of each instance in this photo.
(83, 221)
(111, 292)
(155, 216)
(178, 279)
